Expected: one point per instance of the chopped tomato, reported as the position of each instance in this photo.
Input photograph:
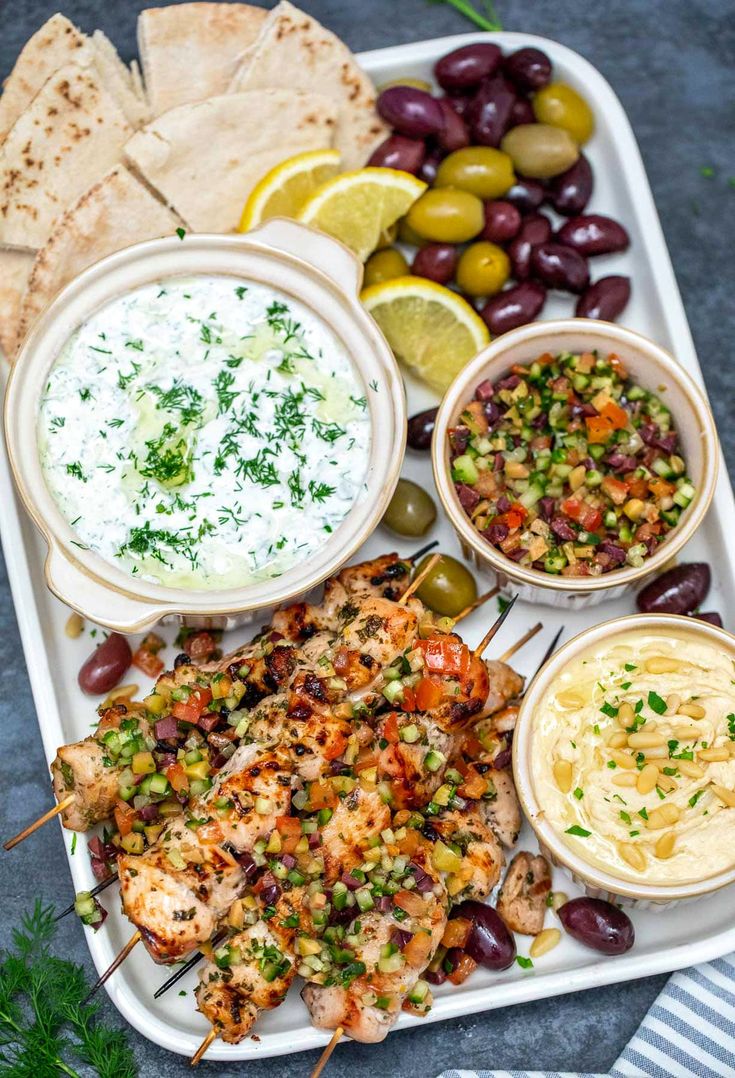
(413, 904)
(390, 728)
(660, 488)
(124, 816)
(446, 655)
(616, 489)
(288, 825)
(617, 416)
(177, 777)
(186, 711)
(513, 517)
(409, 844)
(586, 515)
(599, 429)
(336, 746)
(408, 699)
(365, 759)
(638, 488)
(417, 950)
(210, 833)
(475, 785)
(147, 661)
(322, 795)
(586, 362)
(618, 366)
(457, 932)
(428, 694)
(462, 969)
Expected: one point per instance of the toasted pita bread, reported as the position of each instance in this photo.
(189, 51)
(205, 159)
(294, 47)
(15, 269)
(71, 134)
(114, 213)
(119, 80)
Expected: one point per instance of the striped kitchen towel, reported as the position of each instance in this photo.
(689, 1032)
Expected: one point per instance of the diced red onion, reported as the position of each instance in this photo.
(546, 507)
(96, 848)
(100, 869)
(485, 390)
(385, 903)
(315, 841)
(401, 937)
(613, 551)
(208, 720)
(425, 885)
(288, 860)
(271, 894)
(148, 812)
(621, 462)
(492, 412)
(165, 760)
(248, 865)
(434, 976)
(510, 382)
(350, 882)
(166, 728)
(562, 529)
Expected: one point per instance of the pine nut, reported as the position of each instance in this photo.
(694, 711)
(617, 739)
(659, 664)
(634, 855)
(665, 816)
(690, 769)
(728, 796)
(569, 699)
(626, 715)
(685, 733)
(558, 899)
(545, 941)
(622, 759)
(659, 752)
(563, 775)
(647, 779)
(713, 755)
(665, 845)
(626, 778)
(666, 782)
(121, 692)
(74, 625)
(673, 703)
(644, 740)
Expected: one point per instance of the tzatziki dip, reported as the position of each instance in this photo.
(633, 756)
(204, 432)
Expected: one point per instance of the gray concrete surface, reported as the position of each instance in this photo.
(673, 64)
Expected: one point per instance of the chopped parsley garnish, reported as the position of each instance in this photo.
(695, 797)
(731, 727)
(579, 793)
(75, 469)
(656, 703)
(609, 710)
(523, 962)
(580, 832)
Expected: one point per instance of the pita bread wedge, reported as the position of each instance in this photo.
(205, 159)
(189, 51)
(70, 135)
(15, 269)
(296, 47)
(119, 80)
(114, 213)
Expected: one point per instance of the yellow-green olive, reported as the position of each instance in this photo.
(448, 588)
(411, 511)
(384, 266)
(407, 235)
(481, 170)
(561, 106)
(445, 215)
(540, 150)
(483, 269)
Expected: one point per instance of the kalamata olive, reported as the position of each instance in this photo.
(593, 234)
(526, 194)
(481, 170)
(454, 133)
(410, 112)
(483, 269)
(535, 229)
(460, 102)
(540, 150)
(710, 616)
(420, 429)
(514, 307)
(677, 591)
(384, 266)
(521, 113)
(560, 105)
(436, 261)
(490, 109)
(606, 299)
(399, 152)
(430, 167)
(570, 192)
(446, 215)
(490, 943)
(411, 511)
(448, 588)
(560, 267)
(502, 221)
(467, 66)
(528, 68)
(598, 924)
(106, 665)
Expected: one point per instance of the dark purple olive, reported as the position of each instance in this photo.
(489, 111)
(606, 299)
(593, 234)
(421, 428)
(490, 943)
(710, 616)
(598, 924)
(677, 591)
(570, 192)
(437, 262)
(460, 102)
(502, 221)
(536, 229)
(435, 976)
(399, 152)
(514, 307)
(467, 66)
(105, 666)
(431, 164)
(526, 194)
(528, 68)
(560, 267)
(410, 111)
(454, 134)
(522, 113)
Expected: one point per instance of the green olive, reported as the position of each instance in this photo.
(561, 106)
(411, 510)
(384, 266)
(483, 269)
(540, 150)
(448, 588)
(481, 170)
(407, 235)
(444, 215)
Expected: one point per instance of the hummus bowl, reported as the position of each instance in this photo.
(624, 758)
(205, 427)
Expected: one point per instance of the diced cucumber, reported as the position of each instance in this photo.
(596, 451)
(554, 562)
(464, 470)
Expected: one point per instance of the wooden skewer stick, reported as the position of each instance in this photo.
(116, 962)
(324, 1057)
(419, 579)
(93, 893)
(510, 652)
(39, 822)
(550, 650)
(493, 629)
(485, 597)
(197, 1057)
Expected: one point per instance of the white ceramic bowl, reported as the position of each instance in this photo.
(306, 264)
(652, 367)
(596, 881)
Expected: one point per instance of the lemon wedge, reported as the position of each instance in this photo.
(284, 190)
(357, 207)
(430, 328)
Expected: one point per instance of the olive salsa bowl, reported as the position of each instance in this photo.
(648, 366)
(307, 267)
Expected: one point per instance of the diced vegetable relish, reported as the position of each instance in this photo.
(570, 467)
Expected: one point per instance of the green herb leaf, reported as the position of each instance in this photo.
(656, 703)
(523, 962)
(580, 832)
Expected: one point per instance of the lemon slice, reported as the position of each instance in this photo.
(430, 328)
(357, 207)
(283, 191)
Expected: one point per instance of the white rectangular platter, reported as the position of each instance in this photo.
(666, 940)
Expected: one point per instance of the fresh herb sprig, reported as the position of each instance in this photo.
(488, 21)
